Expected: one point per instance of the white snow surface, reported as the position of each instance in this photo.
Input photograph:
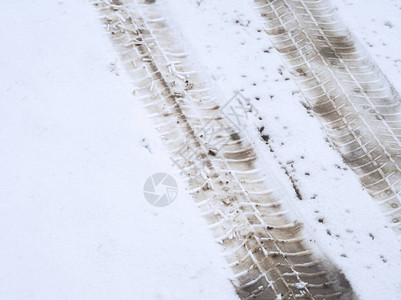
(76, 149)
(341, 218)
(74, 223)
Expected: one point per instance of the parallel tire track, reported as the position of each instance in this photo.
(262, 246)
(356, 104)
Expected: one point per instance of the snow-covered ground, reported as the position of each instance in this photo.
(341, 217)
(76, 149)
(74, 223)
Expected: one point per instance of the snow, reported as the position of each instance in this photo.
(76, 149)
(74, 223)
(342, 220)
(378, 28)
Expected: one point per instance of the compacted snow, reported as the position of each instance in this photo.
(76, 149)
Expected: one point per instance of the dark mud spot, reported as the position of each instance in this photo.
(235, 136)
(266, 138)
(301, 72)
(212, 153)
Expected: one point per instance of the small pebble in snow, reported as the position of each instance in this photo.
(321, 220)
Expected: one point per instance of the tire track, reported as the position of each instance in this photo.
(354, 101)
(264, 248)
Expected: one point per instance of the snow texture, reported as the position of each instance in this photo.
(76, 149)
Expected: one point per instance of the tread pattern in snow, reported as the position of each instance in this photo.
(262, 246)
(356, 104)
